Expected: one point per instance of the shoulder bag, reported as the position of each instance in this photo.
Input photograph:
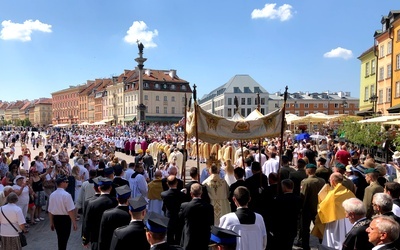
(22, 237)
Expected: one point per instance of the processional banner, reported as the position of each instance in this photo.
(214, 129)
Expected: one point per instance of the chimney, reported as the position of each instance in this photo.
(147, 72)
(126, 71)
(172, 73)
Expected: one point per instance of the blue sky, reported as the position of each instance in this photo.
(308, 45)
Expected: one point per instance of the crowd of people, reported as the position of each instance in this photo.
(248, 196)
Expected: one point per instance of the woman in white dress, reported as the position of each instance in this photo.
(26, 158)
(78, 185)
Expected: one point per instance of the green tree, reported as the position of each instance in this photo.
(366, 134)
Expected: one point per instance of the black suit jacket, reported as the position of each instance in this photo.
(111, 220)
(232, 188)
(132, 235)
(165, 246)
(93, 214)
(166, 187)
(172, 199)
(357, 238)
(119, 182)
(204, 195)
(254, 183)
(390, 246)
(196, 228)
(286, 209)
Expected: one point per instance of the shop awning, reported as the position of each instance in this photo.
(394, 109)
(130, 118)
(163, 118)
(365, 112)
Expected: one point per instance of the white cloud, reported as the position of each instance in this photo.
(339, 52)
(283, 13)
(138, 31)
(22, 31)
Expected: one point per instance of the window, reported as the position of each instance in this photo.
(276, 105)
(249, 101)
(336, 105)
(382, 51)
(157, 98)
(229, 101)
(296, 105)
(262, 111)
(315, 105)
(372, 89)
(262, 101)
(157, 110)
(398, 61)
(381, 73)
(165, 98)
(305, 105)
(398, 35)
(306, 113)
(146, 97)
(146, 85)
(183, 87)
(325, 105)
(243, 101)
(157, 86)
(236, 90)
(388, 94)
(248, 111)
(173, 86)
(287, 105)
(165, 110)
(172, 98)
(389, 71)
(172, 110)
(380, 96)
(389, 48)
(229, 112)
(242, 111)
(397, 89)
(367, 69)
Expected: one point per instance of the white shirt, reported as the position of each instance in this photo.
(60, 202)
(15, 215)
(270, 166)
(23, 198)
(396, 210)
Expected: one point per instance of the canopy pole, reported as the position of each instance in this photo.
(197, 131)
(183, 172)
(282, 131)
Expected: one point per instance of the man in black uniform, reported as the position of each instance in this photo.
(194, 174)
(122, 238)
(239, 174)
(173, 199)
(115, 217)
(94, 212)
(196, 229)
(156, 230)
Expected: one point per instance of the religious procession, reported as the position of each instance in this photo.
(206, 183)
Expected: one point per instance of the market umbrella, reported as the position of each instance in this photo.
(302, 136)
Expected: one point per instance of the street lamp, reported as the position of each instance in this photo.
(373, 99)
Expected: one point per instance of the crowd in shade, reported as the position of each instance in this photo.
(256, 194)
